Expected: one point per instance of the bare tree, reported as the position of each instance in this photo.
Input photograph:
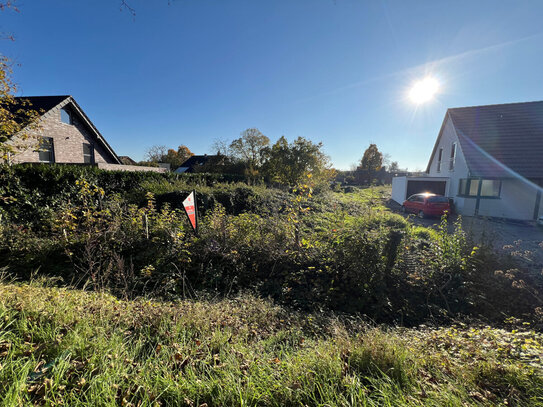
(393, 167)
(221, 146)
(386, 160)
(155, 153)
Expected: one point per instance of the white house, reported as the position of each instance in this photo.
(489, 159)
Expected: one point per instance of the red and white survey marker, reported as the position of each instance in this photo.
(190, 208)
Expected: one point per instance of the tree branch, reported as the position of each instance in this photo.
(127, 7)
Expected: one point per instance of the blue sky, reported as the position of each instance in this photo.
(331, 71)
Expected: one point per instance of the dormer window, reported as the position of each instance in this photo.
(66, 116)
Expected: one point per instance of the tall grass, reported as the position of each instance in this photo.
(73, 348)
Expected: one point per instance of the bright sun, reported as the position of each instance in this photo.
(424, 90)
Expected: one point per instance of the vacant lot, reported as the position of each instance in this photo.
(269, 305)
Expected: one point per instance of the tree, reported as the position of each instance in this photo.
(184, 153)
(371, 162)
(221, 146)
(248, 148)
(393, 167)
(386, 160)
(155, 153)
(288, 163)
(176, 158)
(18, 121)
(162, 154)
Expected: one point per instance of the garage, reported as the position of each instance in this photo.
(434, 187)
(404, 187)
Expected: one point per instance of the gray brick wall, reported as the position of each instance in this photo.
(67, 140)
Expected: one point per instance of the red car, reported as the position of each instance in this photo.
(427, 205)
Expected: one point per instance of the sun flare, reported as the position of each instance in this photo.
(424, 90)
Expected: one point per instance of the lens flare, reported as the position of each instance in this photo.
(424, 90)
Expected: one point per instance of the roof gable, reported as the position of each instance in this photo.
(45, 104)
(500, 140)
(437, 142)
(40, 104)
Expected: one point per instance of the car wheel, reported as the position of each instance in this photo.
(422, 215)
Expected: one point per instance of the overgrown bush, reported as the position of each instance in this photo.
(30, 192)
(310, 250)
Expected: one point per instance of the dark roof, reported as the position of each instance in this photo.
(190, 164)
(501, 140)
(126, 160)
(44, 103)
(40, 104)
(197, 160)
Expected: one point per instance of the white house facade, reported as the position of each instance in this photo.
(490, 161)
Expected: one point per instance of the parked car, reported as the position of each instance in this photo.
(427, 205)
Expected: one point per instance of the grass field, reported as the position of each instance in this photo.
(75, 348)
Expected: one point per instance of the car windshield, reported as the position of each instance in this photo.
(438, 199)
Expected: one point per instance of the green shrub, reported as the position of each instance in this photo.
(327, 250)
(30, 191)
(424, 233)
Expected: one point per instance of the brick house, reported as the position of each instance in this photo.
(67, 135)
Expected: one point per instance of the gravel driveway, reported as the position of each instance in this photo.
(521, 240)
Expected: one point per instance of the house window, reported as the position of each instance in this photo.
(462, 186)
(88, 153)
(490, 188)
(46, 150)
(439, 158)
(473, 187)
(453, 157)
(66, 116)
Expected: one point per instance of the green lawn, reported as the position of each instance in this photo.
(72, 348)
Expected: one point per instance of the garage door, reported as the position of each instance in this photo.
(417, 187)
